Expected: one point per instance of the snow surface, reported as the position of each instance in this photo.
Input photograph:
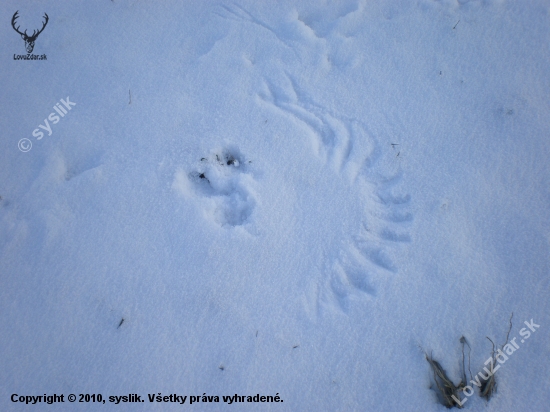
(291, 197)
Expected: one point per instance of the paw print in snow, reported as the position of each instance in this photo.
(224, 182)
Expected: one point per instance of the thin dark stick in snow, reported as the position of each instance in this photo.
(508, 334)
(489, 386)
(121, 322)
(493, 343)
(456, 24)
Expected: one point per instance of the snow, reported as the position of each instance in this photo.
(296, 198)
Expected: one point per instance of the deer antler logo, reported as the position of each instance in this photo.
(29, 40)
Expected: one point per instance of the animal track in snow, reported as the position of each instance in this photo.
(338, 140)
(84, 164)
(352, 152)
(366, 258)
(240, 14)
(73, 165)
(324, 19)
(223, 181)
